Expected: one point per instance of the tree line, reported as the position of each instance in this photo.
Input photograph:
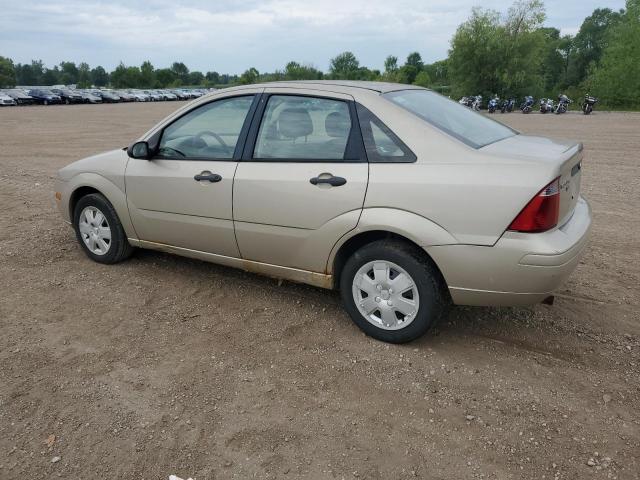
(492, 53)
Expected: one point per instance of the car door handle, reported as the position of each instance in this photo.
(207, 176)
(333, 181)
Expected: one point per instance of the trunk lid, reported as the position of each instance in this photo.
(561, 158)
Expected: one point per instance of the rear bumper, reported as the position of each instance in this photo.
(520, 269)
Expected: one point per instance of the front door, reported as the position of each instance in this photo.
(302, 180)
(182, 196)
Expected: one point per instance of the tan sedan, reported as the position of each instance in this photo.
(402, 199)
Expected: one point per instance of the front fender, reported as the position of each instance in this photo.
(106, 187)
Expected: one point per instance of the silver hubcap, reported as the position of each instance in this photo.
(385, 295)
(94, 230)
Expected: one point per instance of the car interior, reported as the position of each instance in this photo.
(303, 128)
(291, 128)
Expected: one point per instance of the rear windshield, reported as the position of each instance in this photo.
(474, 129)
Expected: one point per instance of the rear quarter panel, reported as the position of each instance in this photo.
(471, 194)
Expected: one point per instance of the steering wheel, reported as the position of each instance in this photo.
(198, 138)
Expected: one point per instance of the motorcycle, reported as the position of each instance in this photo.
(492, 106)
(563, 104)
(527, 105)
(507, 105)
(466, 101)
(546, 105)
(588, 104)
(477, 102)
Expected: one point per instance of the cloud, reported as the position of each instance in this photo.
(230, 36)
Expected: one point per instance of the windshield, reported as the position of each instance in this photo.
(474, 129)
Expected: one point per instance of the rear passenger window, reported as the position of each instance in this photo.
(303, 128)
(381, 144)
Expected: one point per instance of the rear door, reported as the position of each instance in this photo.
(302, 180)
(183, 196)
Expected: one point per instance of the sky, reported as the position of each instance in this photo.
(231, 36)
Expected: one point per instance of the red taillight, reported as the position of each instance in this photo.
(541, 213)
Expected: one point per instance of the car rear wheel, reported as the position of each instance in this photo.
(392, 291)
(99, 231)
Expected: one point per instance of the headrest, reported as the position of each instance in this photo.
(294, 123)
(337, 124)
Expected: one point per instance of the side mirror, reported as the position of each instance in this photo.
(139, 150)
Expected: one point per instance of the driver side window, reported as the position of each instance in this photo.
(208, 132)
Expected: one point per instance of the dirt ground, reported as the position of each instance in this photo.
(163, 365)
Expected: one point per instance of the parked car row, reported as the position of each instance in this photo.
(67, 95)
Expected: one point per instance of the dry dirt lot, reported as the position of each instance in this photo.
(164, 365)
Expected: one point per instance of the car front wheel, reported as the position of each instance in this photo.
(392, 291)
(99, 231)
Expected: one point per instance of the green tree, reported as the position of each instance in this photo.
(213, 77)
(196, 78)
(249, 76)
(438, 72)
(422, 79)
(181, 72)
(84, 75)
(126, 77)
(565, 50)
(590, 42)
(617, 79)
(68, 73)
(51, 76)
(488, 56)
(345, 66)
(7, 72)
(390, 65)
(165, 77)
(30, 74)
(147, 75)
(226, 79)
(297, 71)
(552, 65)
(411, 68)
(474, 55)
(522, 55)
(415, 60)
(99, 76)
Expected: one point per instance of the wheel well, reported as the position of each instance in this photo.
(76, 196)
(358, 241)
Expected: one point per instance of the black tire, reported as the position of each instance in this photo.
(119, 247)
(434, 297)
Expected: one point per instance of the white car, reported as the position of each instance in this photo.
(139, 96)
(6, 100)
(181, 95)
(168, 95)
(155, 96)
(88, 97)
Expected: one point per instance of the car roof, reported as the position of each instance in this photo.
(380, 87)
(345, 86)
